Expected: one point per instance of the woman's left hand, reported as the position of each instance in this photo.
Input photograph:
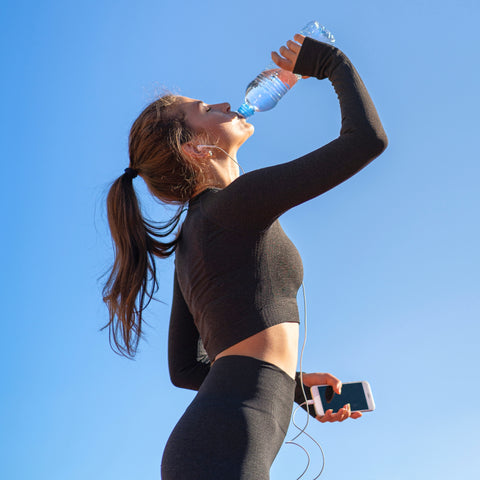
(287, 56)
(310, 379)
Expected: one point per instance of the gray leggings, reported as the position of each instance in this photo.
(235, 425)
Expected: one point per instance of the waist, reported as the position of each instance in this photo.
(222, 327)
(277, 345)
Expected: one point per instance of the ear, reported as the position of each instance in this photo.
(192, 150)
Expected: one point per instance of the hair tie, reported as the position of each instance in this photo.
(131, 172)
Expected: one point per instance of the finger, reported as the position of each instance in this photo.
(326, 417)
(287, 53)
(293, 46)
(310, 379)
(332, 417)
(299, 38)
(346, 412)
(334, 382)
(341, 415)
(280, 61)
(342, 418)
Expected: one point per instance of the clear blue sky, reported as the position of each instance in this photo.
(391, 256)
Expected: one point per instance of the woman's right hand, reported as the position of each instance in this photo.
(287, 55)
(310, 379)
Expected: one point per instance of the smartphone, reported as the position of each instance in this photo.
(357, 394)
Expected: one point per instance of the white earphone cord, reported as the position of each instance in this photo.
(302, 430)
(229, 156)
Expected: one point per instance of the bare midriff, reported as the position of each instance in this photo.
(277, 345)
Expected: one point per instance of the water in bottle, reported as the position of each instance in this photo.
(265, 90)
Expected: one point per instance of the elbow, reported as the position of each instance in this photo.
(181, 378)
(176, 381)
(382, 141)
(176, 377)
(376, 142)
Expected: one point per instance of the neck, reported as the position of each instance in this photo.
(221, 171)
(223, 168)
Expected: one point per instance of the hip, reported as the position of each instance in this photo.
(235, 425)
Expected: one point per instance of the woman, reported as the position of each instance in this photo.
(234, 321)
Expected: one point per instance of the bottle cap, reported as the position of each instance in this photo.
(246, 110)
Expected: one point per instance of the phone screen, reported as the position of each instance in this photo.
(352, 393)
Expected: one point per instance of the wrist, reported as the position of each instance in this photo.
(316, 59)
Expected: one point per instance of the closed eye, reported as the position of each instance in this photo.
(207, 108)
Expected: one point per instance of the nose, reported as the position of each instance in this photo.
(223, 107)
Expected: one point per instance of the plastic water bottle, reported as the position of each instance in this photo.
(267, 88)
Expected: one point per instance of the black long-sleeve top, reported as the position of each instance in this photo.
(236, 272)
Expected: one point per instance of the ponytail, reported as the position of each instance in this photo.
(132, 281)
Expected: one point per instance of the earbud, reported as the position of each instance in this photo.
(210, 153)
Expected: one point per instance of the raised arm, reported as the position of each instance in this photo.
(257, 198)
(187, 360)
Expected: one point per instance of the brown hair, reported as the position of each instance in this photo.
(155, 153)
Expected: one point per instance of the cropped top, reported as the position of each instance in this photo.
(236, 271)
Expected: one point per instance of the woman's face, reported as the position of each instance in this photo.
(223, 127)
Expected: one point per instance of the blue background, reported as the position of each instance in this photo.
(391, 256)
